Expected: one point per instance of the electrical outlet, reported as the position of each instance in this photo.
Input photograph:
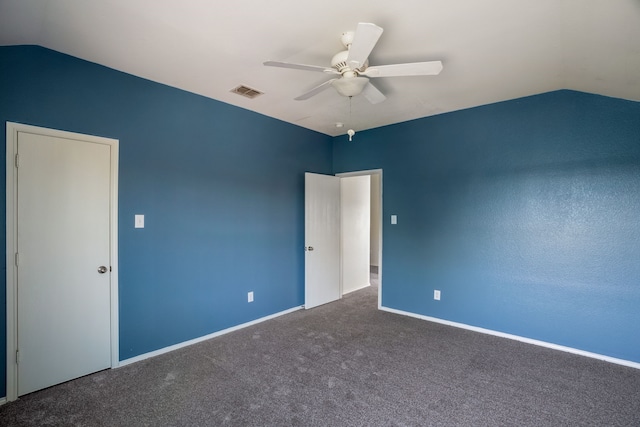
(250, 297)
(436, 295)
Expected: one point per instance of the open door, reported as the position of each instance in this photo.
(322, 239)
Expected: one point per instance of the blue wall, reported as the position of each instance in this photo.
(222, 190)
(525, 214)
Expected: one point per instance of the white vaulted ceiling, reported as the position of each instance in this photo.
(492, 50)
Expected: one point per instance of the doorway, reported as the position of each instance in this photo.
(325, 256)
(364, 256)
(61, 256)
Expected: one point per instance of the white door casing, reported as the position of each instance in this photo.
(62, 224)
(322, 239)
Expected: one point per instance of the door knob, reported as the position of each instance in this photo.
(102, 269)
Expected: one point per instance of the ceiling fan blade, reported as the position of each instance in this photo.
(430, 68)
(300, 67)
(316, 90)
(372, 94)
(364, 39)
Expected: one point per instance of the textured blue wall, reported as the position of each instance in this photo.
(222, 190)
(525, 214)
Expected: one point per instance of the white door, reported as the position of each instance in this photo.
(322, 239)
(63, 218)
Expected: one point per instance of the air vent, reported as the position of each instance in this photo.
(246, 91)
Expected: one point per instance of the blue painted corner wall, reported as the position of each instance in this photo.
(221, 188)
(525, 214)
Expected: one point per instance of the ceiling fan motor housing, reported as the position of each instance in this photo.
(339, 62)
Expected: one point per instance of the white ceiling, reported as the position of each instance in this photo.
(492, 50)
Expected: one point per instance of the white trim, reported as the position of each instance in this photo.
(366, 285)
(552, 346)
(115, 322)
(372, 172)
(11, 206)
(3, 400)
(11, 215)
(205, 337)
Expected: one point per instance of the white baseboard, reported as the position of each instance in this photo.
(609, 359)
(3, 400)
(203, 338)
(357, 289)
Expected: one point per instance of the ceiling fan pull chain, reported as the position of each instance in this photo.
(350, 132)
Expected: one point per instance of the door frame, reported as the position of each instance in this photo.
(380, 223)
(12, 240)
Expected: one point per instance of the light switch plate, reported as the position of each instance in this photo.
(394, 219)
(139, 222)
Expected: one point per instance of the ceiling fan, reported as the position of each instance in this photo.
(352, 67)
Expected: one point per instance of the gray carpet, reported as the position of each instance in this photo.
(345, 364)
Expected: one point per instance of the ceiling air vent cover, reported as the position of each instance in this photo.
(246, 91)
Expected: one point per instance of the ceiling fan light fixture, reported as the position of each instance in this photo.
(350, 86)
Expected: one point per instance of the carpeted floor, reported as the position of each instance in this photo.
(345, 364)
